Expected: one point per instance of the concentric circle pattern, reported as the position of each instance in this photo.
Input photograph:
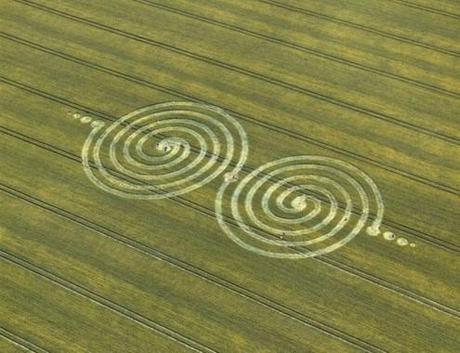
(298, 207)
(163, 150)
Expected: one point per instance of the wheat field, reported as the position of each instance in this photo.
(101, 252)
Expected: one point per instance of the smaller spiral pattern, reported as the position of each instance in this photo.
(297, 207)
(163, 150)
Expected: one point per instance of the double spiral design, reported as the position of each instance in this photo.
(163, 150)
(295, 207)
(298, 207)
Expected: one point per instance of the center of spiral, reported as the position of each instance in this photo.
(164, 146)
(168, 144)
(299, 203)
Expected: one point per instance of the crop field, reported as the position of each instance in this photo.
(229, 176)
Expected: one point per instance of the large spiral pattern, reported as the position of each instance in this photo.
(294, 207)
(163, 150)
(298, 207)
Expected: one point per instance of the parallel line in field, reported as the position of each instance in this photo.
(20, 341)
(246, 72)
(278, 129)
(302, 48)
(329, 18)
(106, 303)
(426, 237)
(325, 259)
(426, 8)
(193, 270)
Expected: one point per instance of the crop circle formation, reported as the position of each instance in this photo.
(295, 207)
(163, 150)
(298, 207)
